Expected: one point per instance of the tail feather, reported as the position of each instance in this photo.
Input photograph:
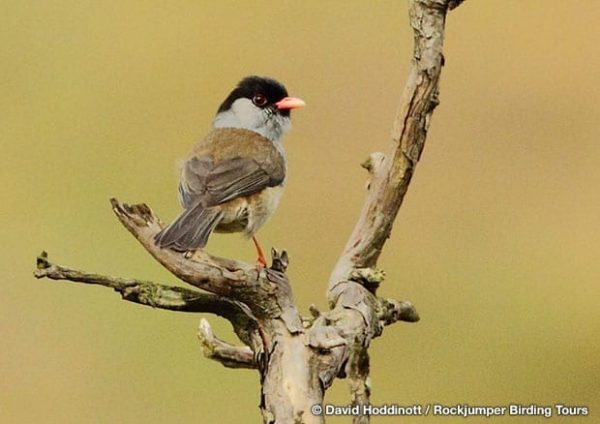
(191, 229)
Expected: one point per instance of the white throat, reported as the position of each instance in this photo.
(244, 114)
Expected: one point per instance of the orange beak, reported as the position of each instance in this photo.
(290, 103)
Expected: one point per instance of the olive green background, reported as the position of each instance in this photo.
(497, 242)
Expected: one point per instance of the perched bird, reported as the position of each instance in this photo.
(233, 179)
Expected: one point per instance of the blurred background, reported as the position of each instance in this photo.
(497, 242)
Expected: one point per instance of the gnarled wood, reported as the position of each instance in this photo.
(297, 357)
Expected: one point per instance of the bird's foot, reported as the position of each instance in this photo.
(261, 262)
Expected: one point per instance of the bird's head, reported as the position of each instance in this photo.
(258, 104)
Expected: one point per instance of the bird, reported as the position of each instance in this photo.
(233, 178)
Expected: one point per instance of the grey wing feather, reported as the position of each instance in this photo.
(238, 177)
(192, 186)
(231, 178)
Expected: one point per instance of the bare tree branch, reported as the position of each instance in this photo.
(391, 174)
(265, 292)
(217, 275)
(143, 292)
(299, 358)
(228, 355)
(159, 296)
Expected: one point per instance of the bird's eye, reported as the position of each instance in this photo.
(259, 100)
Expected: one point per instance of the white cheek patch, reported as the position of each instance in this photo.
(244, 114)
(249, 115)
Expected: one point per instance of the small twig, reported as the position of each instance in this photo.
(218, 350)
(392, 311)
(280, 260)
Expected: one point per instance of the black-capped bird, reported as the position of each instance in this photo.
(233, 179)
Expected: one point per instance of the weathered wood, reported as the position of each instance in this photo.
(298, 358)
(390, 174)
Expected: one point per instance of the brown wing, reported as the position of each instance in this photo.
(230, 163)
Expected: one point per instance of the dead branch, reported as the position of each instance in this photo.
(299, 357)
(158, 296)
(390, 174)
(228, 355)
(143, 292)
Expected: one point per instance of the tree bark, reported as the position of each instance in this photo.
(299, 357)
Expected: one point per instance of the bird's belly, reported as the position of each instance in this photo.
(247, 215)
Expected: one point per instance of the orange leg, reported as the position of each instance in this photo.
(261, 262)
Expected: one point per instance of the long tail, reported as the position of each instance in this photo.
(191, 229)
